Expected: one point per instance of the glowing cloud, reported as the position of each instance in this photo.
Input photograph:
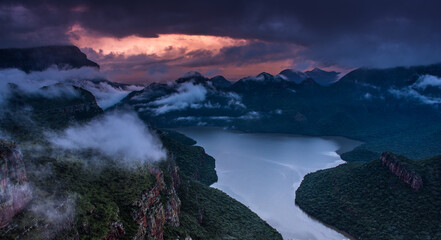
(165, 45)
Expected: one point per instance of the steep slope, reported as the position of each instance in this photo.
(25, 116)
(220, 82)
(209, 213)
(155, 201)
(86, 194)
(295, 76)
(14, 188)
(389, 198)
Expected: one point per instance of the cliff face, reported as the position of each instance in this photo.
(41, 58)
(159, 206)
(116, 231)
(399, 169)
(15, 192)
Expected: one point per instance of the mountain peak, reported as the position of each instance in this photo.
(194, 77)
(192, 74)
(316, 69)
(322, 77)
(264, 76)
(220, 82)
(292, 75)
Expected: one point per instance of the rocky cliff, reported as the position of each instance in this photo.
(159, 206)
(41, 58)
(398, 168)
(15, 192)
(116, 231)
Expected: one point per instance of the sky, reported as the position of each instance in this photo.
(145, 41)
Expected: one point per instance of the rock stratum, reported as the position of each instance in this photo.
(159, 206)
(408, 176)
(15, 192)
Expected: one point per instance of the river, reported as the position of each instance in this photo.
(263, 170)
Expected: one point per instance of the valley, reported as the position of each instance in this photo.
(220, 120)
(265, 172)
(105, 160)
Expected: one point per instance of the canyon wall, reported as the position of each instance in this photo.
(400, 169)
(15, 192)
(159, 206)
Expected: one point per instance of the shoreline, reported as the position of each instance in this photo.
(342, 141)
(343, 144)
(347, 235)
(340, 150)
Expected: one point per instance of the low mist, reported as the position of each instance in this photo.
(55, 82)
(187, 94)
(119, 135)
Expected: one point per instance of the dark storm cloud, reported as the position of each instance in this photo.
(345, 32)
(254, 52)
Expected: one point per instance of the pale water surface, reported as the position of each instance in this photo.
(263, 171)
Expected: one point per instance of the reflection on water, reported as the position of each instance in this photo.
(263, 171)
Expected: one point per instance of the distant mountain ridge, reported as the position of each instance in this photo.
(365, 104)
(324, 78)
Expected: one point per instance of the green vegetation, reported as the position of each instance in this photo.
(102, 192)
(192, 161)
(79, 194)
(208, 213)
(359, 154)
(367, 201)
(179, 137)
(98, 195)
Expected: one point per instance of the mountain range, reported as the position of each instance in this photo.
(386, 108)
(393, 109)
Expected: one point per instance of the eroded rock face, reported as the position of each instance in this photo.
(116, 231)
(159, 206)
(406, 175)
(15, 192)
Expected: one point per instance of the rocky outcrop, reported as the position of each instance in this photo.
(41, 58)
(116, 231)
(159, 206)
(15, 192)
(407, 175)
